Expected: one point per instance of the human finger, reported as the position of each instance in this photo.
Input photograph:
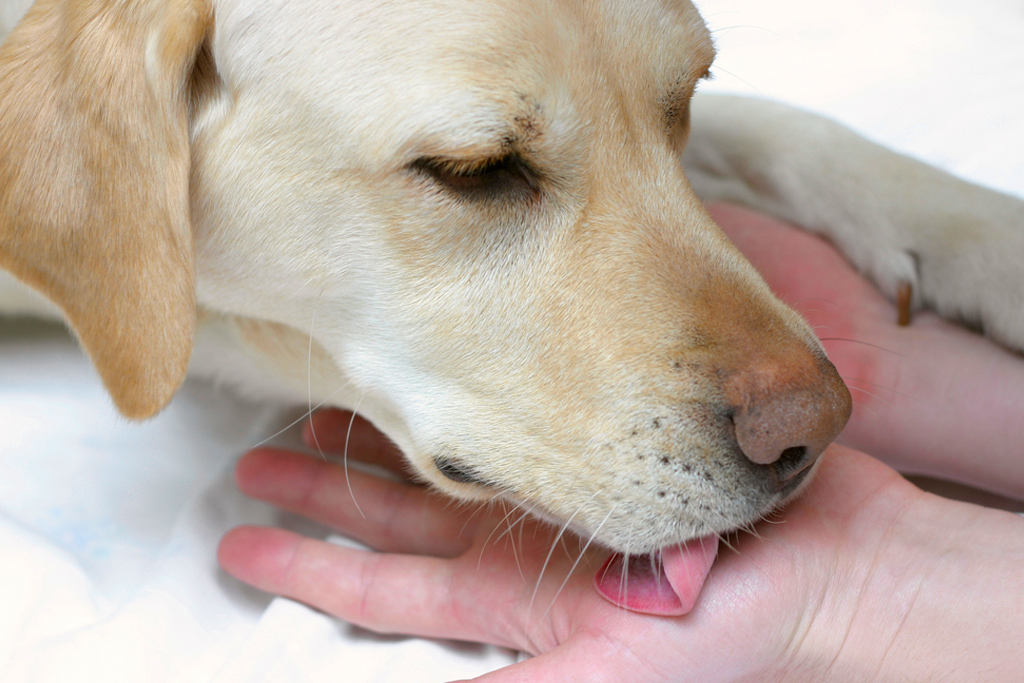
(383, 514)
(384, 592)
(396, 517)
(585, 658)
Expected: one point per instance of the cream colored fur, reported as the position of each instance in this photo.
(576, 341)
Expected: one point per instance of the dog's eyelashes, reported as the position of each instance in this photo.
(503, 177)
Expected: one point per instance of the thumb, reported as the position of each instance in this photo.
(581, 659)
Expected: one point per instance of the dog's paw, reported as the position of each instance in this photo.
(975, 274)
(959, 246)
(969, 268)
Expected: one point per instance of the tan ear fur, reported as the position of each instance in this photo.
(94, 172)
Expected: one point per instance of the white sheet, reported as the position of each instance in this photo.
(108, 529)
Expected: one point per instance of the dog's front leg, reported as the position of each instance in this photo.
(959, 246)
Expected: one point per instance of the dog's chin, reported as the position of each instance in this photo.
(472, 487)
(664, 581)
(668, 581)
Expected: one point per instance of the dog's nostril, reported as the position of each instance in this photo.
(784, 414)
(454, 472)
(790, 462)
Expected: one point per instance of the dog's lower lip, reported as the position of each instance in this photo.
(792, 483)
(461, 474)
(453, 472)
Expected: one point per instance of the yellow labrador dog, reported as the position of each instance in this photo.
(469, 221)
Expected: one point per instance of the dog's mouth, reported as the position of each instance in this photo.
(460, 474)
(668, 582)
(664, 583)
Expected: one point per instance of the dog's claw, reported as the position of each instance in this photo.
(904, 297)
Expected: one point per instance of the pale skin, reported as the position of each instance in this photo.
(863, 578)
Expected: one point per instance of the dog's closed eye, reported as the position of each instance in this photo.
(505, 177)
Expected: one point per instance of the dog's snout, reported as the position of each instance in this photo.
(786, 413)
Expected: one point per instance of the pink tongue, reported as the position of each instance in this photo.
(668, 588)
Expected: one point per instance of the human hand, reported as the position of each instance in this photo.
(864, 577)
(932, 398)
(769, 612)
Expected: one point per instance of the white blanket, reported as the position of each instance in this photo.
(108, 529)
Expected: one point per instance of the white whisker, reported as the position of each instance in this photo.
(576, 563)
(511, 526)
(551, 552)
(656, 564)
(302, 417)
(721, 539)
(521, 524)
(309, 374)
(503, 520)
(469, 518)
(624, 578)
(344, 457)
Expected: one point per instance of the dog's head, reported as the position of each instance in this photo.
(476, 209)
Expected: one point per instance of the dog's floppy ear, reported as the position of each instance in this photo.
(94, 173)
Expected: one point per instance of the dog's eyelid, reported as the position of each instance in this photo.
(480, 177)
(467, 166)
(675, 102)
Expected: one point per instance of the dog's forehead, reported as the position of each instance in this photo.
(444, 72)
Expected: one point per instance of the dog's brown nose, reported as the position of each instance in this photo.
(785, 413)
